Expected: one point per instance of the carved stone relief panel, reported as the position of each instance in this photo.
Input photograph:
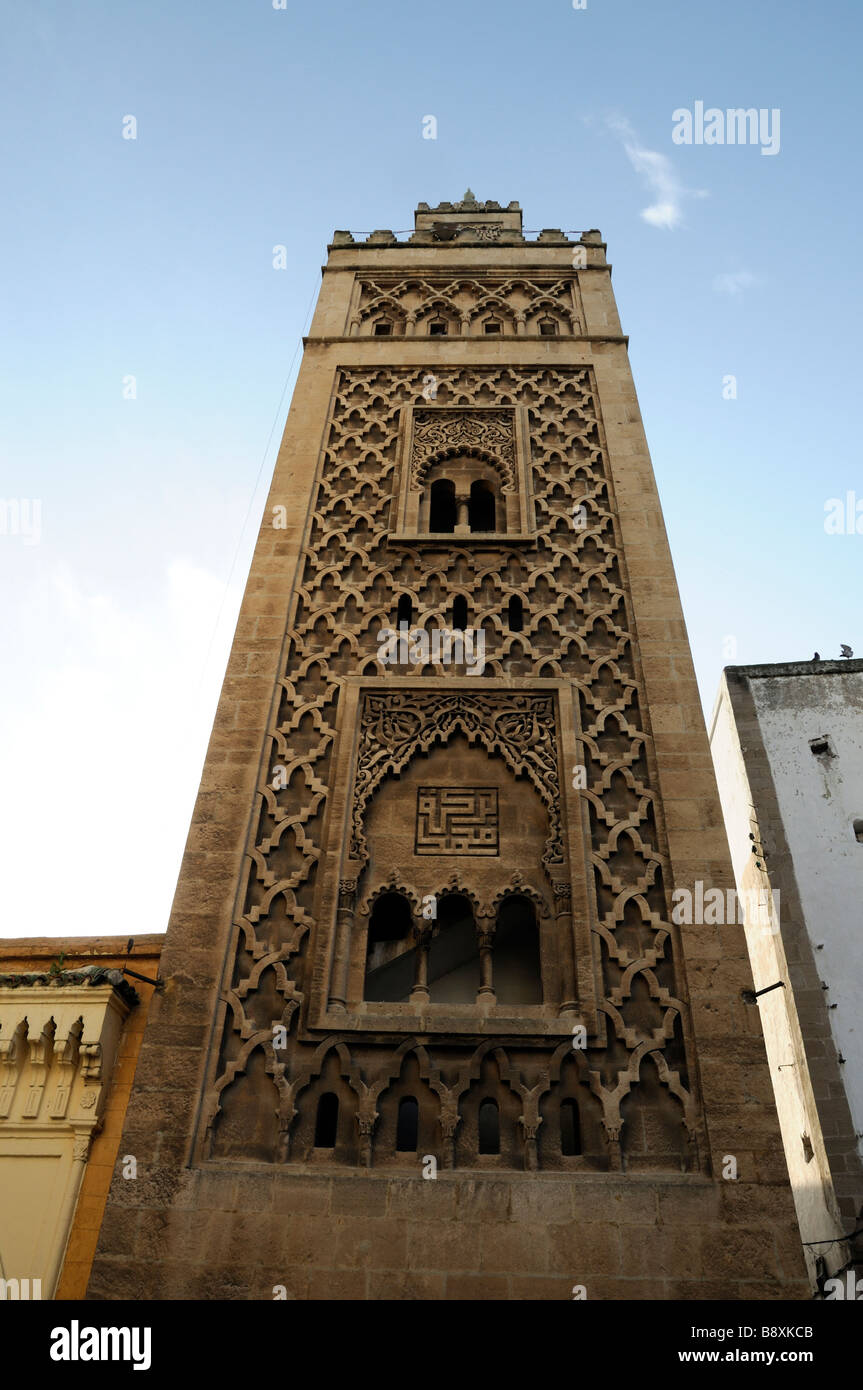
(457, 820)
(436, 439)
(497, 304)
(301, 907)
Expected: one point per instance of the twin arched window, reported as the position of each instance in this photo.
(459, 504)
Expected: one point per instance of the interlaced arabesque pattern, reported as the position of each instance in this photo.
(517, 302)
(576, 630)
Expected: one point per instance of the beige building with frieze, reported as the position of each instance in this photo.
(71, 1021)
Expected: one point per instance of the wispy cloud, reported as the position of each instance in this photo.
(735, 282)
(658, 173)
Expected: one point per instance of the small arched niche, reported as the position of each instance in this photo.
(324, 1129)
(572, 1134)
(409, 1113)
(489, 1134)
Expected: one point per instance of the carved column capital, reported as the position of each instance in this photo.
(562, 897)
(81, 1146)
(449, 1123)
(366, 1124)
(531, 1126)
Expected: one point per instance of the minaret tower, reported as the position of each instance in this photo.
(430, 1027)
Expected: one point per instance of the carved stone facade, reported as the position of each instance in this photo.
(576, 642)
(450, 939)
(505, 305)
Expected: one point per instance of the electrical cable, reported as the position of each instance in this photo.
(837, 1240)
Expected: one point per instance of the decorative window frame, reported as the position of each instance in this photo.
(571, 890)
(511, 459)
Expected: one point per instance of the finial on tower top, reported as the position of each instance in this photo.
(468, 197)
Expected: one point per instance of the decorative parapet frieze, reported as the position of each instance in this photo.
(59, 1037)
(56, 1043)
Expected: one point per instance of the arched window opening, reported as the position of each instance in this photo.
(459, 613)
(515, 614)
(517, 969)
(327, 1121)
(570, 1128)
(492, 326)
(437, 328)
(390, 950)
(405, 610)
(858, 831)
(453, 962)
(547, 328)
(481, 506)
(383, 328)
(489, 1127)
(407, 1125)
(443, 510)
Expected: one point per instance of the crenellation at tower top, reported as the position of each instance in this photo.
(471, 223)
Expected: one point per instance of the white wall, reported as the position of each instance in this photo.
(808, 1169)
(818, 800)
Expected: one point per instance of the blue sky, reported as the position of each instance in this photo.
(152, 258)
